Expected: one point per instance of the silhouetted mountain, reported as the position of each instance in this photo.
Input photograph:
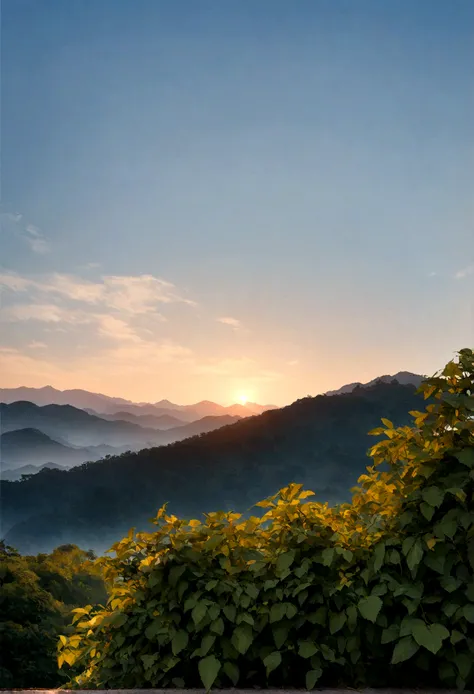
(74, 425)
(13, 475)
(161, 422)
(104, 404)
(201, 426)
(32, 447)
(402, 377)
(51, 396)
(320, 442)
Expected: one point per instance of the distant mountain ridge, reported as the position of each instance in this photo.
(105, 404)
(402, 377)
(21, 447)
(67, 435)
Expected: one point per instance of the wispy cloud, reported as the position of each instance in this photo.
(232, 322)
(293, 362)
(464, 272)
(36, 344)
(36, 240)
(30, 233)
(131, 294)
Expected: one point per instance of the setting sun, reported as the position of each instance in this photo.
(243, 399)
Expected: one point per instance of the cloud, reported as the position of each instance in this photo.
(35, 344)
(293, 362)
(461, 274)
(45, 313)
(36, 240)
(30, 233)
(106, 325)
(131, 294)
(232, 322)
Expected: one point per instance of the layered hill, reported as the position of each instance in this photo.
(15, 474)
(320, 442)
(74, 425)
(103, 404)
(33, 448)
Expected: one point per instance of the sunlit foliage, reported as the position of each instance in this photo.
(379, 591)
(37, 595)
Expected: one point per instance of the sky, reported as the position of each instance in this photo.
(240, 199)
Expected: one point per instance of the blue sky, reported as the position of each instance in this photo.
(207, 199)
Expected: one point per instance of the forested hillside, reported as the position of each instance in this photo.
(320, 442)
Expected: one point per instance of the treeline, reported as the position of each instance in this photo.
(37, 594)
(319, 442)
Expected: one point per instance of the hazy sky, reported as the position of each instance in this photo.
(202, 199)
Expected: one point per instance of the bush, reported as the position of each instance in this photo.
(37, 596)
(376, 592)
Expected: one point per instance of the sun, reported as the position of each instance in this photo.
(243, 399)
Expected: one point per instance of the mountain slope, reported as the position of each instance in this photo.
(32, 447)
(160, 422)
(402, 377)
(320, 442)
(15, 474)
(74, 425)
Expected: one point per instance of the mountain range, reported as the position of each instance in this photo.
(67, 435)
(320, 442)
(104, 404)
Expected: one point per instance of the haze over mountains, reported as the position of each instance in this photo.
(320, 442)
(104, 404)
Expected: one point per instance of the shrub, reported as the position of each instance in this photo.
(37, 596)
(376, 592)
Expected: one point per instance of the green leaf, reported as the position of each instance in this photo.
(284, 561)
(379, 556)
(208, 670)
(430, 636)
(232, 672)
(370, 607)
(336, 622)
(404, 650)
(149, 660)
(427, 510)
(179, 641)
(280, 634)
(433, 496)
(242, 638)
(207, 643)
(272, 661)
(217, 626)
(464, 664)
(415, 555)
(230, 612)
(199, 612)
(446, 527)
(466, 457)
(327, 556)
(312, 676)
(468, 612)
(277, 612)
(307, 649)
(390, 634)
